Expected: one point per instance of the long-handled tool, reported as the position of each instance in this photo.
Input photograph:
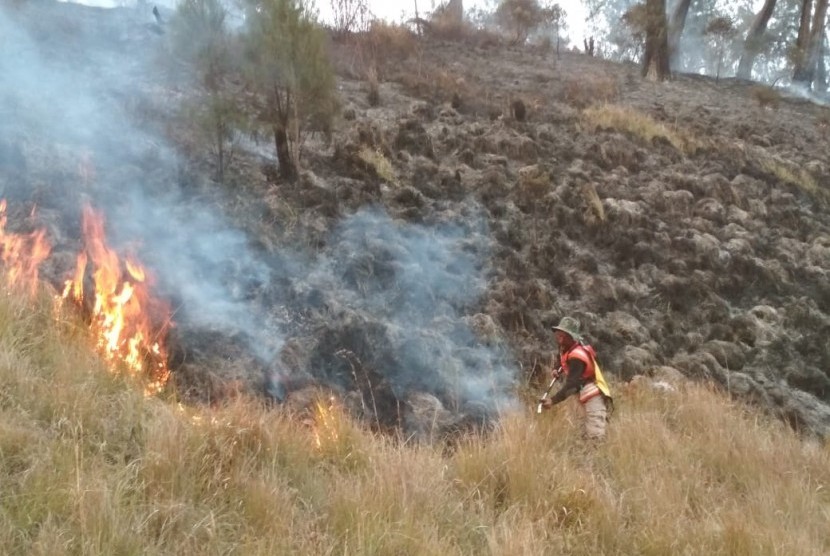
(556, 375)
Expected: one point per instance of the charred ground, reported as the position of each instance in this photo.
(684, 223)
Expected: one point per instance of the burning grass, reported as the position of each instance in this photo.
(129, 324)
(89, 464)
(21, 254)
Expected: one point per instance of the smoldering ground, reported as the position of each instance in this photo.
(385, 314)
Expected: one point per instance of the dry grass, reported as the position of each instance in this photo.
(373, 84)
(589, 91)
(390, 43)
(91, 466)
(594, 212)
(793, 175)
(639, 124)
(379, 49)
(766, 97)
(436, 83)
(382, 166)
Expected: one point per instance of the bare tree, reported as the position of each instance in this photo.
(656, 64)
(754, 39)
(349, 15)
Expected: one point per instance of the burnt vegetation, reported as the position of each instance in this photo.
(685, 225)
(645, 218)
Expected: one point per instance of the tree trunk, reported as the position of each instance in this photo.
(287, 170)
(279, 120)
(821, 68)
(754, 39)
(220, 145)
(808, 43)
(676, 25)
(816, 39)
(656, 65)
(800, 72)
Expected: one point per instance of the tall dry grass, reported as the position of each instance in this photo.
(88, 465)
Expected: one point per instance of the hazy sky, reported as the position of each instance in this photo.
(392, 9)
(395, 10)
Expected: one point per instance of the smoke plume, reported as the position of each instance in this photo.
(400, 298)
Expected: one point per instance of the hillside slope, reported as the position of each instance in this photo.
(428, 247)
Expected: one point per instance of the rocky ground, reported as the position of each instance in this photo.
(415, 269)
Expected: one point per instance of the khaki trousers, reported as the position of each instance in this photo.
(595, 418)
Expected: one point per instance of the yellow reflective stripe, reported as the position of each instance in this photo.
(589, 391)
(601, 384)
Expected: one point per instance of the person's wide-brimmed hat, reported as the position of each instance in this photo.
(569, 326)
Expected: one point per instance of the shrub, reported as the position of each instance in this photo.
(202, 44)
(388, 43)
(765, 96)
(519, 18)
(447, 22)
(288, 67)
(436, 84)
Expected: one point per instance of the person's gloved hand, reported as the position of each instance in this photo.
(546, 403)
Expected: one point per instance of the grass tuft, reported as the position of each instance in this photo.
(378, 161)
(639, 124)
(791, 175)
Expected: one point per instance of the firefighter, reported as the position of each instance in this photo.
(582, 375)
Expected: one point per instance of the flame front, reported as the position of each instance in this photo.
(22, 254)
(128, 322)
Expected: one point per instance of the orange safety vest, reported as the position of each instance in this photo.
(593, 382)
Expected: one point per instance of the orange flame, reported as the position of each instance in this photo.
(325, 423)
(124, 314)
(22, 254)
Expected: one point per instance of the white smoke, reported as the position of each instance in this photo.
(71, 96)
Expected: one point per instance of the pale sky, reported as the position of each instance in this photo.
(394, 10)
